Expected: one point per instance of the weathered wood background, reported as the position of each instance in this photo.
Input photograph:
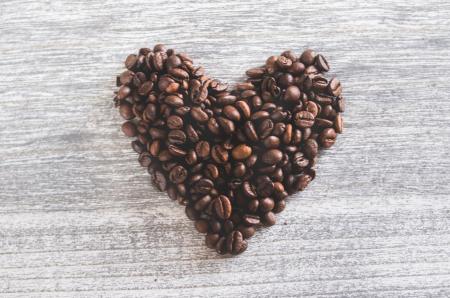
(79, 218)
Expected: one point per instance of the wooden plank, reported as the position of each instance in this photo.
(79, 217)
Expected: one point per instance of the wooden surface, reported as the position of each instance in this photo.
(79, 218)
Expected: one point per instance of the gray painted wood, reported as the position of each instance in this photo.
(79, 217)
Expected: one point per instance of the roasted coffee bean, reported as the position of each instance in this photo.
(175, 122)
(272, 156)
(271, 142)
(176, 137)
(292, 94)
(269, 218)
(219, 154)
(211, 240)
(251, 220)
(311, 148)
(231, 157)
(222, 207)
(178, 174)
(241, 152)
(266, 204)
(202, 149)
(202, 203)
(338, 123)
(199, 114)
(308, 57)
(129, 129)
(201, 225)
(250, 131)
(327, 137)
(334, 87)
(304, 119)
(322, 63)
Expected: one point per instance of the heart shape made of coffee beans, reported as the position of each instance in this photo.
(231, 157)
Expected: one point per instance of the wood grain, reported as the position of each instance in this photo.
(79, 218)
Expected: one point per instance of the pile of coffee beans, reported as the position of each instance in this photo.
(230, 157)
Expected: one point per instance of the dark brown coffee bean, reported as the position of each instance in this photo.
(244, 108)
(308, 57)
(222, 207)
(211, 171)
(338, 123)
(297, 68)
(272, 156)
(260, 115)
(219, 154)
(278, 129)
(311, 148)
(321, 63)
(178, 174)
(241, 152)
(129, 129)
(176, 137)
(284, 62)
(160, 180)
(202, 149)
(327, 137)
(304, 119)
(192, 134)
(126, 111)
(235, 243)
(323, 122)
(279, 206)
(271, 142)
(226, 124)
(264, 186)
(211, 240)
(335, 87)
(255, 73)
(199, 114)
(174, 101)
(251, 220)
(312, 108)
(292, 94)
(239, 170)
(201, 225)
(302, 182)
(248, 190)
(250, 131)
(175, 122)
(247, 231)
(269, 219)
(253, 205)
(287, 135)
(266, 204)
(202, 203)
(231, 113)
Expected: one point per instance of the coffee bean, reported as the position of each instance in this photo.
(272, 156)
(175, 122)
(176, 137)
(311, 148)
(250, 131)
(241, 152)
(321, 63)
(192, 134)
(211, 240)
(271, 142)
(292, 94)
(178, 174)
(246, 231)
(202, 149)
(323, 122)
(235, 243)
(199, 115)
(251, 220)
(231, 113)
(202, 203)
(307, 57)
(226, 124)
(327, 137)
(269, 218)
(160, 181)
(244, 108)
(304, 119)
(201, 225)
(222, 207)
(334, 87)
(129, 129)
(338, 123)
(219, 154)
